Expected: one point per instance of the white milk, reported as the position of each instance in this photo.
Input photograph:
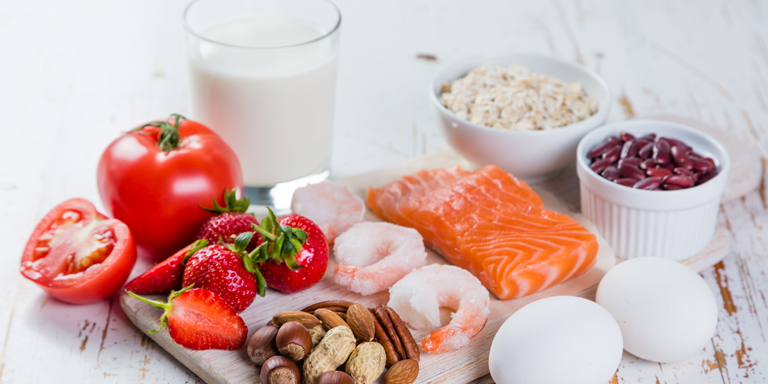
(274, 107)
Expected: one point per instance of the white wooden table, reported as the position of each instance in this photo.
(75, 74)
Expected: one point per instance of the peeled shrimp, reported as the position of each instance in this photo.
(332, 206)
(419, 296)
(372, 256)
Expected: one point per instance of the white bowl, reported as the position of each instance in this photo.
(530, 155)
(671, 224)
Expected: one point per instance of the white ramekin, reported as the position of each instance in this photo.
(671, 224)
(530, 155)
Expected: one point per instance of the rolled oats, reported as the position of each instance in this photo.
(516, 99)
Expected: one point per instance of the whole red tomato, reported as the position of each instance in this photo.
(77, 255)
(155, 178)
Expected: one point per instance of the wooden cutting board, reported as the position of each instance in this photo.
(470, 362)
(460, 366)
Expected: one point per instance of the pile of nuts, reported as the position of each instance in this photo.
(313, 343)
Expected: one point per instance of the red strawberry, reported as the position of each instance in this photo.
(220, 269)
(294, 254)
(230, 220)
(200, 319)
(166, 276)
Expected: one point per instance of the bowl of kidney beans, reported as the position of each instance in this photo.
(652, 188)
(650, 162)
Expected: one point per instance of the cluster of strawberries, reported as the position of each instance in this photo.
(233, 259)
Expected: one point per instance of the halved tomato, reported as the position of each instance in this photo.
(78, 255)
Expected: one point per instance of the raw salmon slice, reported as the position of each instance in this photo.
(491, 224)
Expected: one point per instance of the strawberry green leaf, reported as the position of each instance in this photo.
(231, 203)
(272, 217)
(242, 240)
(261, 282)
(196, 246)
(281, 242)
(165, 306)
(300, 234)
(292, 264)
(259, 255)
(265, 234)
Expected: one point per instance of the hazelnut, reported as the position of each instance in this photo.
(262, 345)
(279, 370)
(335, 377)
(293, 341)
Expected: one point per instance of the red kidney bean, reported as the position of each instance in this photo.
(601, 148)
(647, 164)
(658, 172)
(646, 151)
(613, 153)
(611, 173)
(629, 149)
(626, 137)
(599, 165)
(628, 171)
(678, 143)
(650, 162)
(648, 183)
(632, 161)
(679, 180)
(683, 172)
(701, 165)
(694, 155)
(680, 157)
(661, 152)
(626, 182)
(707, 176)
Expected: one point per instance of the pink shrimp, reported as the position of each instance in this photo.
(419, 296)
(372, 256)
(332, 206)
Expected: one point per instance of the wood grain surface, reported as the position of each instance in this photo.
(75, 74)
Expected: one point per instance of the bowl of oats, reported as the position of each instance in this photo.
(524, 112)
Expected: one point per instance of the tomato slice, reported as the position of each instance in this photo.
(78, 255)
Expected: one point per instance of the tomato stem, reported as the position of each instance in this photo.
(168, 136)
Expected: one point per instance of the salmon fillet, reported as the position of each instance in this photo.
(491, 224)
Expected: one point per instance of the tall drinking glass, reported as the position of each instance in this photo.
(263, 76)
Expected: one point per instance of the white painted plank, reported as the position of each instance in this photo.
(74, 74)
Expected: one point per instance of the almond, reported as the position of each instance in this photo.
(302, 318)
(360, 320)
(403, 372)
(330, 319)
(329, 304)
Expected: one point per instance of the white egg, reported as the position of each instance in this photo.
(562, 339)
(665, 310)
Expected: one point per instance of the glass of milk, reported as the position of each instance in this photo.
(263, 76)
